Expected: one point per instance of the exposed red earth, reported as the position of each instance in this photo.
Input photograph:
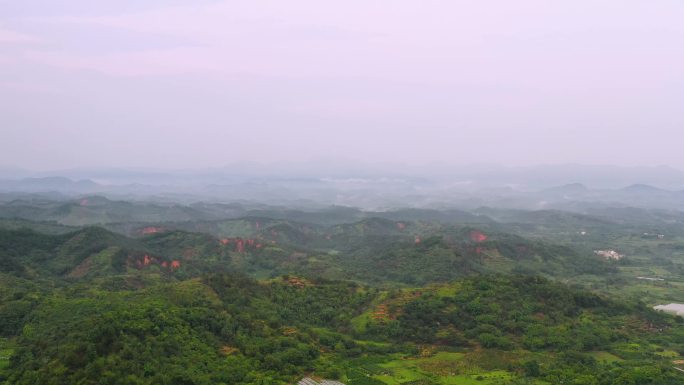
(477, 236)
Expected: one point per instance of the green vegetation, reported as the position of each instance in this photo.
(230, 329)
(259, 300)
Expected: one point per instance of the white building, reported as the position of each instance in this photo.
(609, 254)
(672, 308)
(309, 381)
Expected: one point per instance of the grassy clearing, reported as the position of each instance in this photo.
(445, 368)
(360, 322)
(652, 293)
(605, 357)
(446, 356)
(6, 351)
(668, 354)
(373, 343)
(492, 377)
(449, 290)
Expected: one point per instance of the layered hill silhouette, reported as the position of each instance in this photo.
(401, 252)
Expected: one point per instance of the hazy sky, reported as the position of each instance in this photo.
(205, 83)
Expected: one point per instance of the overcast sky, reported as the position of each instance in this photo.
(184, 84)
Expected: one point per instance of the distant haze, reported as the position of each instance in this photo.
(197, 84)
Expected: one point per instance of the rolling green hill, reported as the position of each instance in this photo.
(229, 329)
(372, 250)
(378, 300)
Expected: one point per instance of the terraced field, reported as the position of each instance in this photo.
(439, 368)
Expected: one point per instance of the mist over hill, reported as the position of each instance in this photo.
(367, 279)
(566, 187)
(215, 192)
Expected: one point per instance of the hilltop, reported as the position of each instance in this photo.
(371, 250)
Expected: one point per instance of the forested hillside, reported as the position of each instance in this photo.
(259, 300)
(230, 329)
(373, 250)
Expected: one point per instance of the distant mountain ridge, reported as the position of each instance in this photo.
(44, 184)
(564, 187)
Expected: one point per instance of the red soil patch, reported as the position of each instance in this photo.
(228, 350)
(150, 230)
(141, 262)
(241, 245)
(296, 282)
(381, 313)
(477, 236)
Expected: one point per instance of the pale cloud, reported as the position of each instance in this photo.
(31, 88)
(168, 62)
(13, 37)
(528, 81)
(356, 108)
(528, 44)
